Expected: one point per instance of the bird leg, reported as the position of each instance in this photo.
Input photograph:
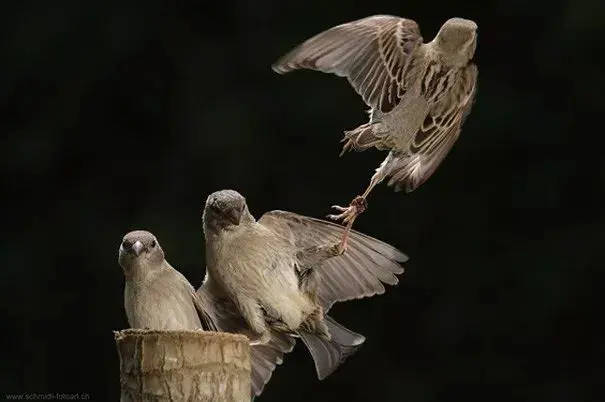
(361, 138)
(313, 256)
(279, 326)
(358, 205)
(348, 216)
(254, 316)
(315, 324)
(261, 339)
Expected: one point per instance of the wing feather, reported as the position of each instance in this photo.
(436, 136)
(360, 272)
(374, 53)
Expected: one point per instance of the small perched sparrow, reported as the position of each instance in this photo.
(419, 93)
(157, 296)
(284, 272)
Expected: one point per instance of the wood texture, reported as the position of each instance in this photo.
(183, 366)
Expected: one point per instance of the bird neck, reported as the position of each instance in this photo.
(221, 240)
(138, 272)
(449, 57)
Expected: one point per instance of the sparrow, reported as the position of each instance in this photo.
(157, 296)
(419, 93)
(285, 271)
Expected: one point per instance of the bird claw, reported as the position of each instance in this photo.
(339, 208)
(349, 214)
(357, 207)
(261, 340)
(360, 204)
(346, 215)
(339, 248)
(349, 144)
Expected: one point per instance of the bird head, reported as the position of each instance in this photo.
(458, 36)
(225, 210)
(139, 246)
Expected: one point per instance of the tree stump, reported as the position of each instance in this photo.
(183, 366)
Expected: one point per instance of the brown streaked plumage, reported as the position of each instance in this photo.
(284, 272)
(419, 93)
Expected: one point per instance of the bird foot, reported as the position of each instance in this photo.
(279, 326)
(348, 216)
(349, 144)
(316, 324)
(355, 208)
(263, 339)
(361, 138)
(337, 249)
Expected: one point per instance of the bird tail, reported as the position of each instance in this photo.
(328, 355)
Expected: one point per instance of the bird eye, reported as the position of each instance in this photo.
(126, 244)
(153, 243)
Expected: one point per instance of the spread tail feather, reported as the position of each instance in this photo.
(328, 355)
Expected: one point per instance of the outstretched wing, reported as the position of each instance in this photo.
(220, 314)
(360, 272)
(436, 136)
(374, 53)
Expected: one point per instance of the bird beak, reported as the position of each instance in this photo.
(137, 247)
(233, 216)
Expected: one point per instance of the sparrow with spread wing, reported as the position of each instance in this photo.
(419, 93)
(284, 272)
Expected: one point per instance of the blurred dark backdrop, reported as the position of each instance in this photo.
(118, 115)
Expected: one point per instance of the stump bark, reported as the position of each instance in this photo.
(183, 366)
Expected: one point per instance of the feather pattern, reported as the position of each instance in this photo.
(437, 134)
(360, 272)
(374, 54)
(275, 279)
(419, 92)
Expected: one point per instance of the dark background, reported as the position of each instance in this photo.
(118, 115)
